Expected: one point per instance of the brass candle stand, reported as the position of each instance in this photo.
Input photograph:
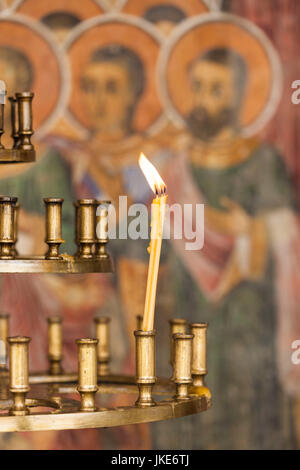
(22, 150)
(41, 401)
(45, 400)
(85, 260)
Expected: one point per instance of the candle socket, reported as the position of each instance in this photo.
(87, 373)
(19, 373)
(182, 364)
(1, 124)
(103, 347)
(55, 345)
(7, 227)
(139, 322)
(86, 215)
(16, 229)
(177, 325)
(4, 332)
(53, 227)
(76, 238)
(25, 130)
(145, 366)
(101, 229)
(199, 369)
(14, 121)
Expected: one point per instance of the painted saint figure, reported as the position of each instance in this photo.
(233, 282)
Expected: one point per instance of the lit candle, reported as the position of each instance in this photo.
(158, 209)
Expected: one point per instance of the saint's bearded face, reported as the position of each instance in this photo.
(214, 97)
(108, 95)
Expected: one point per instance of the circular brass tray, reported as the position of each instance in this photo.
(17, 156)
(50, 409)
(66, 265)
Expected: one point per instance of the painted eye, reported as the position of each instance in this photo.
(217, 89)
(112, 86)
(197, 85)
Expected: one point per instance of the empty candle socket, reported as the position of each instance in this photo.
(4, 332)
(18, 373)
(199, 368)
(86, 226)
(182, 364)
(14, 121)
(139, 322)
(103, 347)
(53, 226)
(55, 344)
(87, 373)
(25, 131)
(145, 366)
(7, 227)
(101, 229)
(177, 325)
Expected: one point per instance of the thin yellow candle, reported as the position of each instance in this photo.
(157, 222)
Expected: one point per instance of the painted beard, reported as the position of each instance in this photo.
(204, 126)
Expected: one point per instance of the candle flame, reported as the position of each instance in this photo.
(151, 174)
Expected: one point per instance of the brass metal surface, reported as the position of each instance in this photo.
(7, 227)
(4, 333)
(25, 131)
(66, 265)
(101, 229)
(86, 226)
(182, 364)
(17, 156)
(87, 373)
(55, 344)
(145, 366)
(14, 115)
(199, 369)
(18, 373)
(101, 324)
(177, 325)
(53, 226)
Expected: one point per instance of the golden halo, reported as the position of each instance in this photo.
(196, 36)
(32, 40)
(39, 8)
(137, 35)
(189, 7)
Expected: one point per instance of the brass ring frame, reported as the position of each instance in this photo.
(17, 156)
(66, 265)
(65, 414)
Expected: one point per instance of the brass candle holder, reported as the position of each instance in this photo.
(199, 370)
(22, 149)
(177, 325)
(86, 225)
(103, 347)
(2, 103)
(182, 364)
(53, 226)
(14, 121)
(87, 373)
(55, 345)
(4, 333)
(50, 403)
(19, 373)
(53, 390)
(101, 229)
(25, 130)
(145, 366)
(7, 229)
